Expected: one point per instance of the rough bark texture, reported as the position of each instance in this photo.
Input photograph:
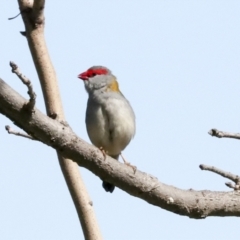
(195, 204)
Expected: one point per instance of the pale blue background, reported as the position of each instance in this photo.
(178, 63)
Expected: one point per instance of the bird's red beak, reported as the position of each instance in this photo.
(83, 76)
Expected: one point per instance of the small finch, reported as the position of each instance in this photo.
(110, 119)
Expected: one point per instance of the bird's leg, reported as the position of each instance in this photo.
(128, 164)
(103, 152)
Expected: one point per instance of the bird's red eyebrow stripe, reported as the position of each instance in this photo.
(92, 72)
(99, 71)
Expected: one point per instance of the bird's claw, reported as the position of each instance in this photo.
(103, 152)
(134, 168)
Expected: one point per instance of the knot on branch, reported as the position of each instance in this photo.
(215, 133)
(220, 134)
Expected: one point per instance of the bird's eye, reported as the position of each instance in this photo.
(94, 74)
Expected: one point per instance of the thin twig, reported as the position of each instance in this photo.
(11, 131)
(220, 134)
(27, 82)
(233, 177)
(15, 16)
(21, 12)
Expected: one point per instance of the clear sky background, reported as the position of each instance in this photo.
(178, 63)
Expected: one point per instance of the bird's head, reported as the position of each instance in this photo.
(99, 77)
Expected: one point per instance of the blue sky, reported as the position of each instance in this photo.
(178, 63)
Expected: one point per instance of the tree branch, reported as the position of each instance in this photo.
(225, 174)
(11, 131)
(195, 204)
(34, 25)
(27, 82)
(234, 178)
(220, 134)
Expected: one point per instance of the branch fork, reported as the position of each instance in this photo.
(234, 178)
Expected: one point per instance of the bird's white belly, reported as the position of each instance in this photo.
(111, 126)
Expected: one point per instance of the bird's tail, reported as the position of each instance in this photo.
(106, 185)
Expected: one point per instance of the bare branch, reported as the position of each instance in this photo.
(11, 18)
(21, 12)
(11, 131)
(220, 134)
(34, 25)
(195, 204)
(234, 178)
(27, 82)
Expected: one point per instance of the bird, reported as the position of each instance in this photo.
(110, 119)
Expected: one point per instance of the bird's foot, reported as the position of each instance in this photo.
(103, 152)
(134, 168)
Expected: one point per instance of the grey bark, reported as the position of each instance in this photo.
(195, 204)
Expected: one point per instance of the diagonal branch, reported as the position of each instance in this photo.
(34, 25)
(233, 177)
(195, 204)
